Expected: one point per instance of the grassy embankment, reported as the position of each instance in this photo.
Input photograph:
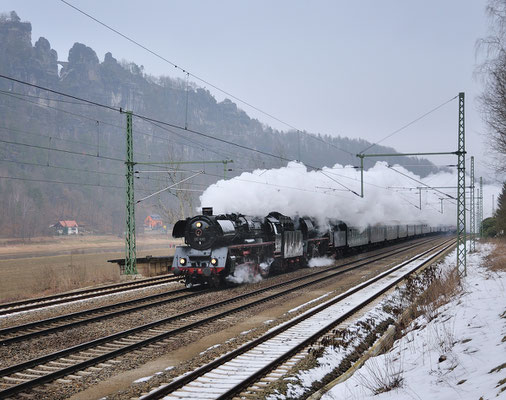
(50, 265)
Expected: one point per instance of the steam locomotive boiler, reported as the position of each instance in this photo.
(218, 245)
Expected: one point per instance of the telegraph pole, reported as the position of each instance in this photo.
(472, 214)
(130, 245)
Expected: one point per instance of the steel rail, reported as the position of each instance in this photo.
(30, 304)
(34, 325)
(95, 318)
(182, 381)
(145, 342)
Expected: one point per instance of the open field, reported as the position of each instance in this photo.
(50, 265)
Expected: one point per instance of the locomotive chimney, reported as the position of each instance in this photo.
(207, 211)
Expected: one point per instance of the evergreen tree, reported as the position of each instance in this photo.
(500, 214)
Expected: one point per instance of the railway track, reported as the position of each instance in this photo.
(77, 359)
(231, 374)
(40, 302)
(47, 326)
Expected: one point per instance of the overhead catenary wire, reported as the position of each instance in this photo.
(169, 187)
(422, 183)
(152, 120)
(61, 182)
(108, 158)
(65, 182)
(145, 118)
(409, 124)
(115, 159)
(206, 82)
(198, 144)
(80, 170)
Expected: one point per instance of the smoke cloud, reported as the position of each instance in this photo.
(295, 190)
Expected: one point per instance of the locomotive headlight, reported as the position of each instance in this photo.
(182, 261)
(214, 261)
(198, 224)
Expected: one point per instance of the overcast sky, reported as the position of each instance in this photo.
(360, 69)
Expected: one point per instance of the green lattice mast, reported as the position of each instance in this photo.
(480, 216)
(130, 247)
(472, 213)
(461, 192)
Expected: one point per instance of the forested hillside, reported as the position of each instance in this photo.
(64, 159)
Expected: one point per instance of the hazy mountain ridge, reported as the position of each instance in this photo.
(51, 124)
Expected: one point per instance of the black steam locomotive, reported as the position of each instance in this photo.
(217, 246)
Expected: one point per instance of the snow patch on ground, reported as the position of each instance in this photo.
(145, 379)
(210, 348)
(309, 302)
(447, 358)
(414, 359)
(450, 357)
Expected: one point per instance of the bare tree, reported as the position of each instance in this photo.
(493, 72)
(183, 194)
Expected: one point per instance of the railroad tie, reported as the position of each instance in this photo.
(12, 379)
(29, 376)
(34, 371)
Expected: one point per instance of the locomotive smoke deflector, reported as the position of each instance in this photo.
(179, 228)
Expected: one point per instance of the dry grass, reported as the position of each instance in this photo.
(496, 261)
(382, 376)
(44, 270)
(442, 290)
(40, 276)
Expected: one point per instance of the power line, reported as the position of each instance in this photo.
(60, 150)
(104, 123)
(146, 118)
(11, 93)
(145, 178)
(409, 124)
(237, 145)
(45, 136)
(93, 155)
(188, 73)
(153, 120)
(60, 93)
(61, 182)
(422, 183)
(59, 167)
(66, 183)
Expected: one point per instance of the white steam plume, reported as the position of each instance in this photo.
(321, 262)
(243, 273)
(294, 190)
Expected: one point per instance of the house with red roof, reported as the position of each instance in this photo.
(153, 221)
(66, 227)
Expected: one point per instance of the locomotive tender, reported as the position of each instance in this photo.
(218, 245)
